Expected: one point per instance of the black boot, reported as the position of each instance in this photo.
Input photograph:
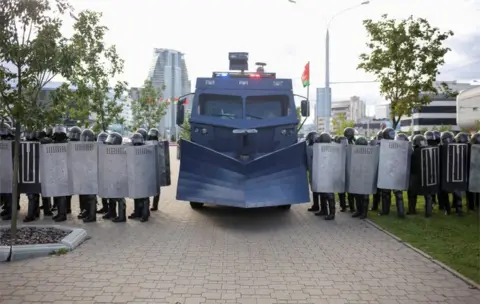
(315, 207)
(137, 209)
(428, 205)
(62, 209)
(156, 200)
(83, 201)
(444, 202)
(47, 206)
(54, 205)
(33, 208)
(434, 199)
(470, 200)
(68, 204)
(386, 202)
(412, 203)
(365, 203)
(358, 205)
(343, 202)
(104, 208)
(376, 200)
(7, 203)
(91, 205)
(323, 205)
(457, 202)
(112, 210)
(331, 207)
(399, 202)
(145, 210)
(122, 212)
(351, 202)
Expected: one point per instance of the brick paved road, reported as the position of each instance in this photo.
(221, 255)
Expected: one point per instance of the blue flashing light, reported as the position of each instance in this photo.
(244, 75)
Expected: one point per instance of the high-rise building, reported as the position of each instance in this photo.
(353, 109)
(169, 69)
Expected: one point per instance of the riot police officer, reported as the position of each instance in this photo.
(377, 196)
(60, 136)
(115, 139)
(88, 203)
(141, 207)
(143, 132)
(6, 198)
(460, 138)
(361, 200)
(474, 198)
(349, 134)
(329, 198)
(100, 138)
(342, 197)
(45, 137)
(310, 141)
(386, 198)
(33, 210)
(154, 134)
(74, 135)
(446, 138)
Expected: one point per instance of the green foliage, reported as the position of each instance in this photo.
(185, 129)
(173, 138)
(91, 76)
(477, 126)
(147, 109)
(405, 57)
(340, 122)
(299, 114)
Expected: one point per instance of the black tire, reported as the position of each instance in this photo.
(196, 205)
(285, 207)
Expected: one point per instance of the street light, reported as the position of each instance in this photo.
(328, 97)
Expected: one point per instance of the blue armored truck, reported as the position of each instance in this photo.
(243, 149)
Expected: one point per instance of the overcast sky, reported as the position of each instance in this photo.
(282, 34)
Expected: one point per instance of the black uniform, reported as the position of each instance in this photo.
(141, 206)
(154, 134)
(74, 135)
(116, 139)
(60, 136)
(100, 138)
(361, 200)
(88, 203)
(377, 195)
(310, 140)
(33, 210)
(473, 199)
(460, 138)
(446, 138)
(329, 198)
(349, 135)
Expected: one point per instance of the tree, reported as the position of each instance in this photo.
(148, 109)
(31, 42)
(299, 114)
(404, 57)
(185, 129)
(340, 122)
(100, 63)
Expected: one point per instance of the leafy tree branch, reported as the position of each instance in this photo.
(148, 109)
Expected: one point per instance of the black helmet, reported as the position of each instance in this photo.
(74, 133)
(475, 140)
(102, 137)
(388, 133)
(401, 136)
(362, 141)
(419, 141)
(87, 135)
(41, 134)
(48, 131)
(461, 138)
(137, 139)
(341, 139)
(379, 135)
(436, 137)
(142, 132)
(31, 135)
(59, 133)
(446, 138)
(429, 135)
(373, 142)
(153, 134)
(5, 130)
(349, 133)
(324, 138)
(311, 137)
(114, 139)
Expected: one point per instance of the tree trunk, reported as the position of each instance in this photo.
(16, 165)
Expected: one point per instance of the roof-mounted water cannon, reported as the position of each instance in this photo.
(260, 67)
(238, 61)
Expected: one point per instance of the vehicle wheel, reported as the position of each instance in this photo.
(196, 205)
(285, 207)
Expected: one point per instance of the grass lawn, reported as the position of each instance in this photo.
(452, 240)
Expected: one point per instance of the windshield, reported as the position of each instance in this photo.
(266, 107)
(223, 106)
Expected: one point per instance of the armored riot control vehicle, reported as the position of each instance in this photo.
(243, 149)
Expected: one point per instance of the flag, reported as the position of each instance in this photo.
(306, 75)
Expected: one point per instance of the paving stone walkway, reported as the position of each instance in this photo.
(223, 255)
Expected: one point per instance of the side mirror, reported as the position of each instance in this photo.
(305, 108)
(181, 111)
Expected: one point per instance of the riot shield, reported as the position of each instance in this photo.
(328, 168)
(425, 171)
(394, 165)
(112, 171)
(362, 169)
(168, 179)
(54, 170)
(6, 166)
(474, 177)
(29, 169)
(142, 171)
(83, 167)
(454, 167)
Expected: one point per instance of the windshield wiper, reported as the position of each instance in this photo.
(224, 115)
(253, 116)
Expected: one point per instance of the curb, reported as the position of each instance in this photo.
(470, 282)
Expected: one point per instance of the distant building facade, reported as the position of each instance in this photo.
(352, 109)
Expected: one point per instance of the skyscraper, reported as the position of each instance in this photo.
(168, 68)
